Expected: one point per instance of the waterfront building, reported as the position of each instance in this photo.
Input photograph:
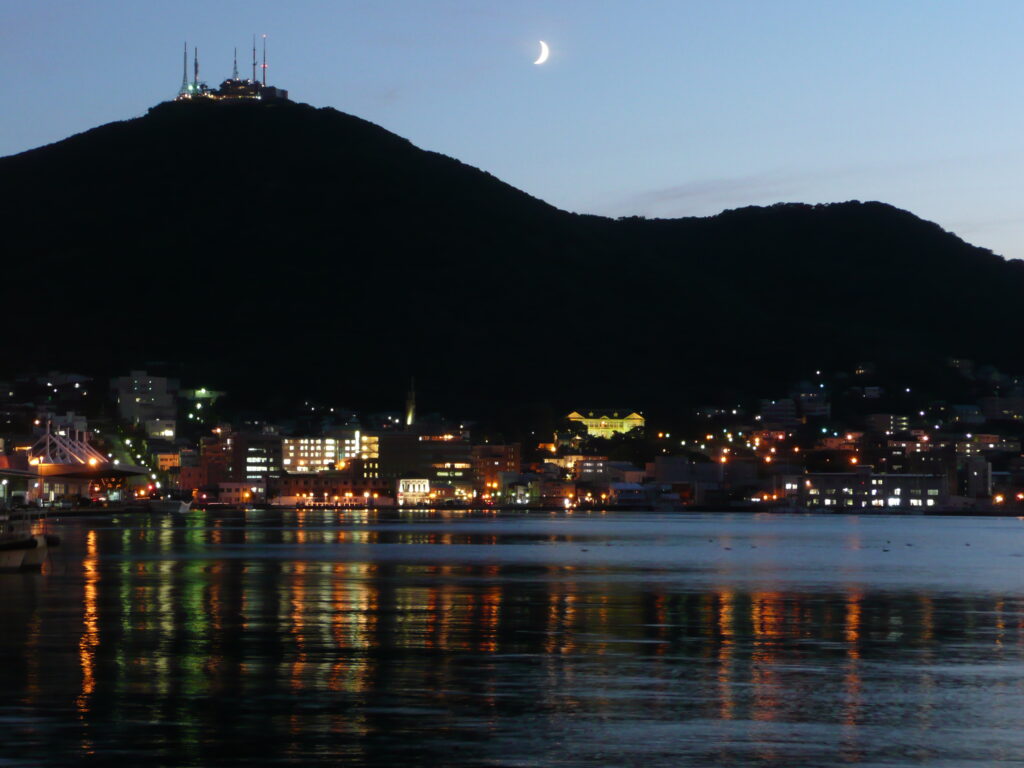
(345, 487)
(242, 457)
(413, 492)
(490, 460)
(191, 478)
(608, 421)
(254, 455)
(214, 459)
(322, 454)
(554, 493)
(864, 489)
(240, 494)
(520, 489)
(609, 472)
(444, 458)
(629, 494)
(310, 454)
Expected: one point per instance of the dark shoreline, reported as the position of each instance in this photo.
(99, 511)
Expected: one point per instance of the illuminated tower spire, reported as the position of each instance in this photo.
(410, 403)
(183, 91)
(264, 61)
(234, 72)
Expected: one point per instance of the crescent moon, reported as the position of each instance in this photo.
(544, 53)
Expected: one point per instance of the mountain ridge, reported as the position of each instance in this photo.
(294, 240)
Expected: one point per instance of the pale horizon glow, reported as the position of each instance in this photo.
(660, 108)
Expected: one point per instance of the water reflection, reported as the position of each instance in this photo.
(90, 638)
(304, 636)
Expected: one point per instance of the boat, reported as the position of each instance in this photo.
(21, 547)
(159, 506)
(169, 506)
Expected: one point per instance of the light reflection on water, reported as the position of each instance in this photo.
(383, 638)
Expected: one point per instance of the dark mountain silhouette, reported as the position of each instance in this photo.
(284, 251)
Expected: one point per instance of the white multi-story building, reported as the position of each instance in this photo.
(310, 454)
(863, 489)
(321, 454)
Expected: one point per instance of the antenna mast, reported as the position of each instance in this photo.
(254, 58)
(234, 72)
(195, 68)
(264, 61)
(184, 70)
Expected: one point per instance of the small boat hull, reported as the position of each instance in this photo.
(35, 556)
(13, 552)
(159, 506)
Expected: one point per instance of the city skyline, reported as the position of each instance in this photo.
(663, 110)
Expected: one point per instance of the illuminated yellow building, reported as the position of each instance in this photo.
(605, 423)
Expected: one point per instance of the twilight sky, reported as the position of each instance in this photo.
(652, 107)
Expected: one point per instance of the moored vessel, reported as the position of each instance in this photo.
(22, 547)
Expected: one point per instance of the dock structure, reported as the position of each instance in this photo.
(65, 464)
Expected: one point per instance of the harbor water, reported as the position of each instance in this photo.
(386, 638)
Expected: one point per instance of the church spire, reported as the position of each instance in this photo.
(410, 403)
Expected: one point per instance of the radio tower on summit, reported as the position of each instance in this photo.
(184, 91)
(234, 88)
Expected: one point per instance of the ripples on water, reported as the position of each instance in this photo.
(517, 640)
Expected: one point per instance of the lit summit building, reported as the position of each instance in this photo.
(232, 89)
